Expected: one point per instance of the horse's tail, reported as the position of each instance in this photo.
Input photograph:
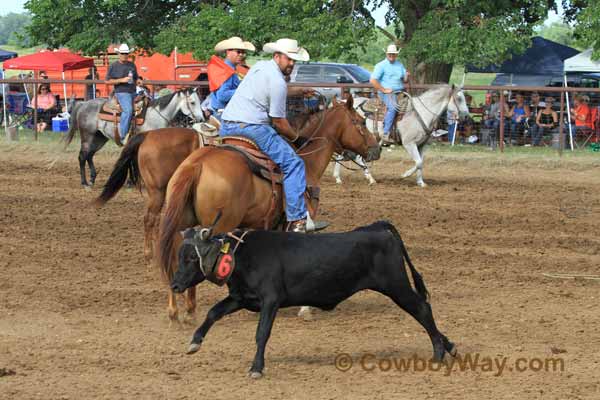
(73, 127)
(126, 165)
(417, 278)
(181, 187)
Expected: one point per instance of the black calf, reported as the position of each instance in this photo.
(279, 269)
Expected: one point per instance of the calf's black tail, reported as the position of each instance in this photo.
(418, 280)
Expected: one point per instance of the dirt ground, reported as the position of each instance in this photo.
(83, 317)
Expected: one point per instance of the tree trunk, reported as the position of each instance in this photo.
(431, 73)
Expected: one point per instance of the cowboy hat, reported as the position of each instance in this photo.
(289, 47)
(123, 49)
(391, 49)
(234, 43)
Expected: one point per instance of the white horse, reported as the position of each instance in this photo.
(417, 125)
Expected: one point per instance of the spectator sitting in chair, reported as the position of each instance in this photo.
(46, 105)
(519, 113)
(581, 117)
(491, 118)
(546, 120)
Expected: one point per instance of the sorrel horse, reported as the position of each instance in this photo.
(214, 180)
(152, 157)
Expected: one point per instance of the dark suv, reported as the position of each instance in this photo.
(317, 72)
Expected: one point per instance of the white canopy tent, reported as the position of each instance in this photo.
(581, 62)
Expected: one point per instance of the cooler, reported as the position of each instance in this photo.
(60, 124)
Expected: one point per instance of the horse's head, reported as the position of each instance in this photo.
(189, 104)
(197, 252)
(353, 134)
(458, 103)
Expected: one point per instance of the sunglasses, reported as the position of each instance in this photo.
(240, 51)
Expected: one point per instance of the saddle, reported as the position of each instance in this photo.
(262, 166)
(111, 112)
(375, 109)
(208, 132)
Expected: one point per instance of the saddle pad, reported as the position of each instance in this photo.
(111, 118)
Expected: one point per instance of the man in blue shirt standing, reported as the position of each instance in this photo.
(257, 110)
(222, 76)
(388, 79)
(123, 74)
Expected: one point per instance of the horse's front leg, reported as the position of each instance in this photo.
(413, 151)
(361, 163)
(190, 305)
(337, 170)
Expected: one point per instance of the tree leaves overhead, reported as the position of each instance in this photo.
(91, 25)
(324, 28)
(586, 15)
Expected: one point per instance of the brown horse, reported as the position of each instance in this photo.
(152, 157)
(214, 180)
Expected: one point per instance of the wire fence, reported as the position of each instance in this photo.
(555, 117)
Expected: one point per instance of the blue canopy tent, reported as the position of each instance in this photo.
(543, 57)
(5, 55)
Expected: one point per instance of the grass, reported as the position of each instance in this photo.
(51, 145)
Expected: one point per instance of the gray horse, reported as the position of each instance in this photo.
(417, 125)
(95, 132)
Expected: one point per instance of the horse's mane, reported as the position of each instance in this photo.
(162, 101)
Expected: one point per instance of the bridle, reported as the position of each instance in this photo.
(187, 104)
(358, 123)
(428, 129)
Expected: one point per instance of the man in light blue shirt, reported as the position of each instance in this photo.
(258, 103)
(388, 79)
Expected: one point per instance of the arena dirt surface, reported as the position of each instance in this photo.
(83, 317)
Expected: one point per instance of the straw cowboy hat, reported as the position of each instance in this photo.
(123, 49)
(392, 49)
(234, 43)
(289, 47)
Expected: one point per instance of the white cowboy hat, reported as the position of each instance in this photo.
(234, 43)
(391, 49)
(123, 49)
(289, 47)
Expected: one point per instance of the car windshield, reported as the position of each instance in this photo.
(359, 73)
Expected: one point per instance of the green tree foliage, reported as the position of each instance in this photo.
(91, 25)
(559, 32)
(586, 16)
(440, 33)
(12, 29)
(325, 28)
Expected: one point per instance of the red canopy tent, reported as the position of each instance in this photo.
(58, 60)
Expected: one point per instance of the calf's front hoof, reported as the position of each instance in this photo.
(255, 375)
(194, 347)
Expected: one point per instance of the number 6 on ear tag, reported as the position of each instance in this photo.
(225, 267)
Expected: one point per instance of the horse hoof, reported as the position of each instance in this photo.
(255, 375)
(87, 188)
(194, 347)
(305, 313)
(421, 184)
(372, 181)
(338, 181)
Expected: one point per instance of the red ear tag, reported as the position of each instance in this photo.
(224, 268)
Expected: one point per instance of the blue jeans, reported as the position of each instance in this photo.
(126, 103)
(390, 110)
(292, 166)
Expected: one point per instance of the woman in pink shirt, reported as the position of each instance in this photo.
(46, 104)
